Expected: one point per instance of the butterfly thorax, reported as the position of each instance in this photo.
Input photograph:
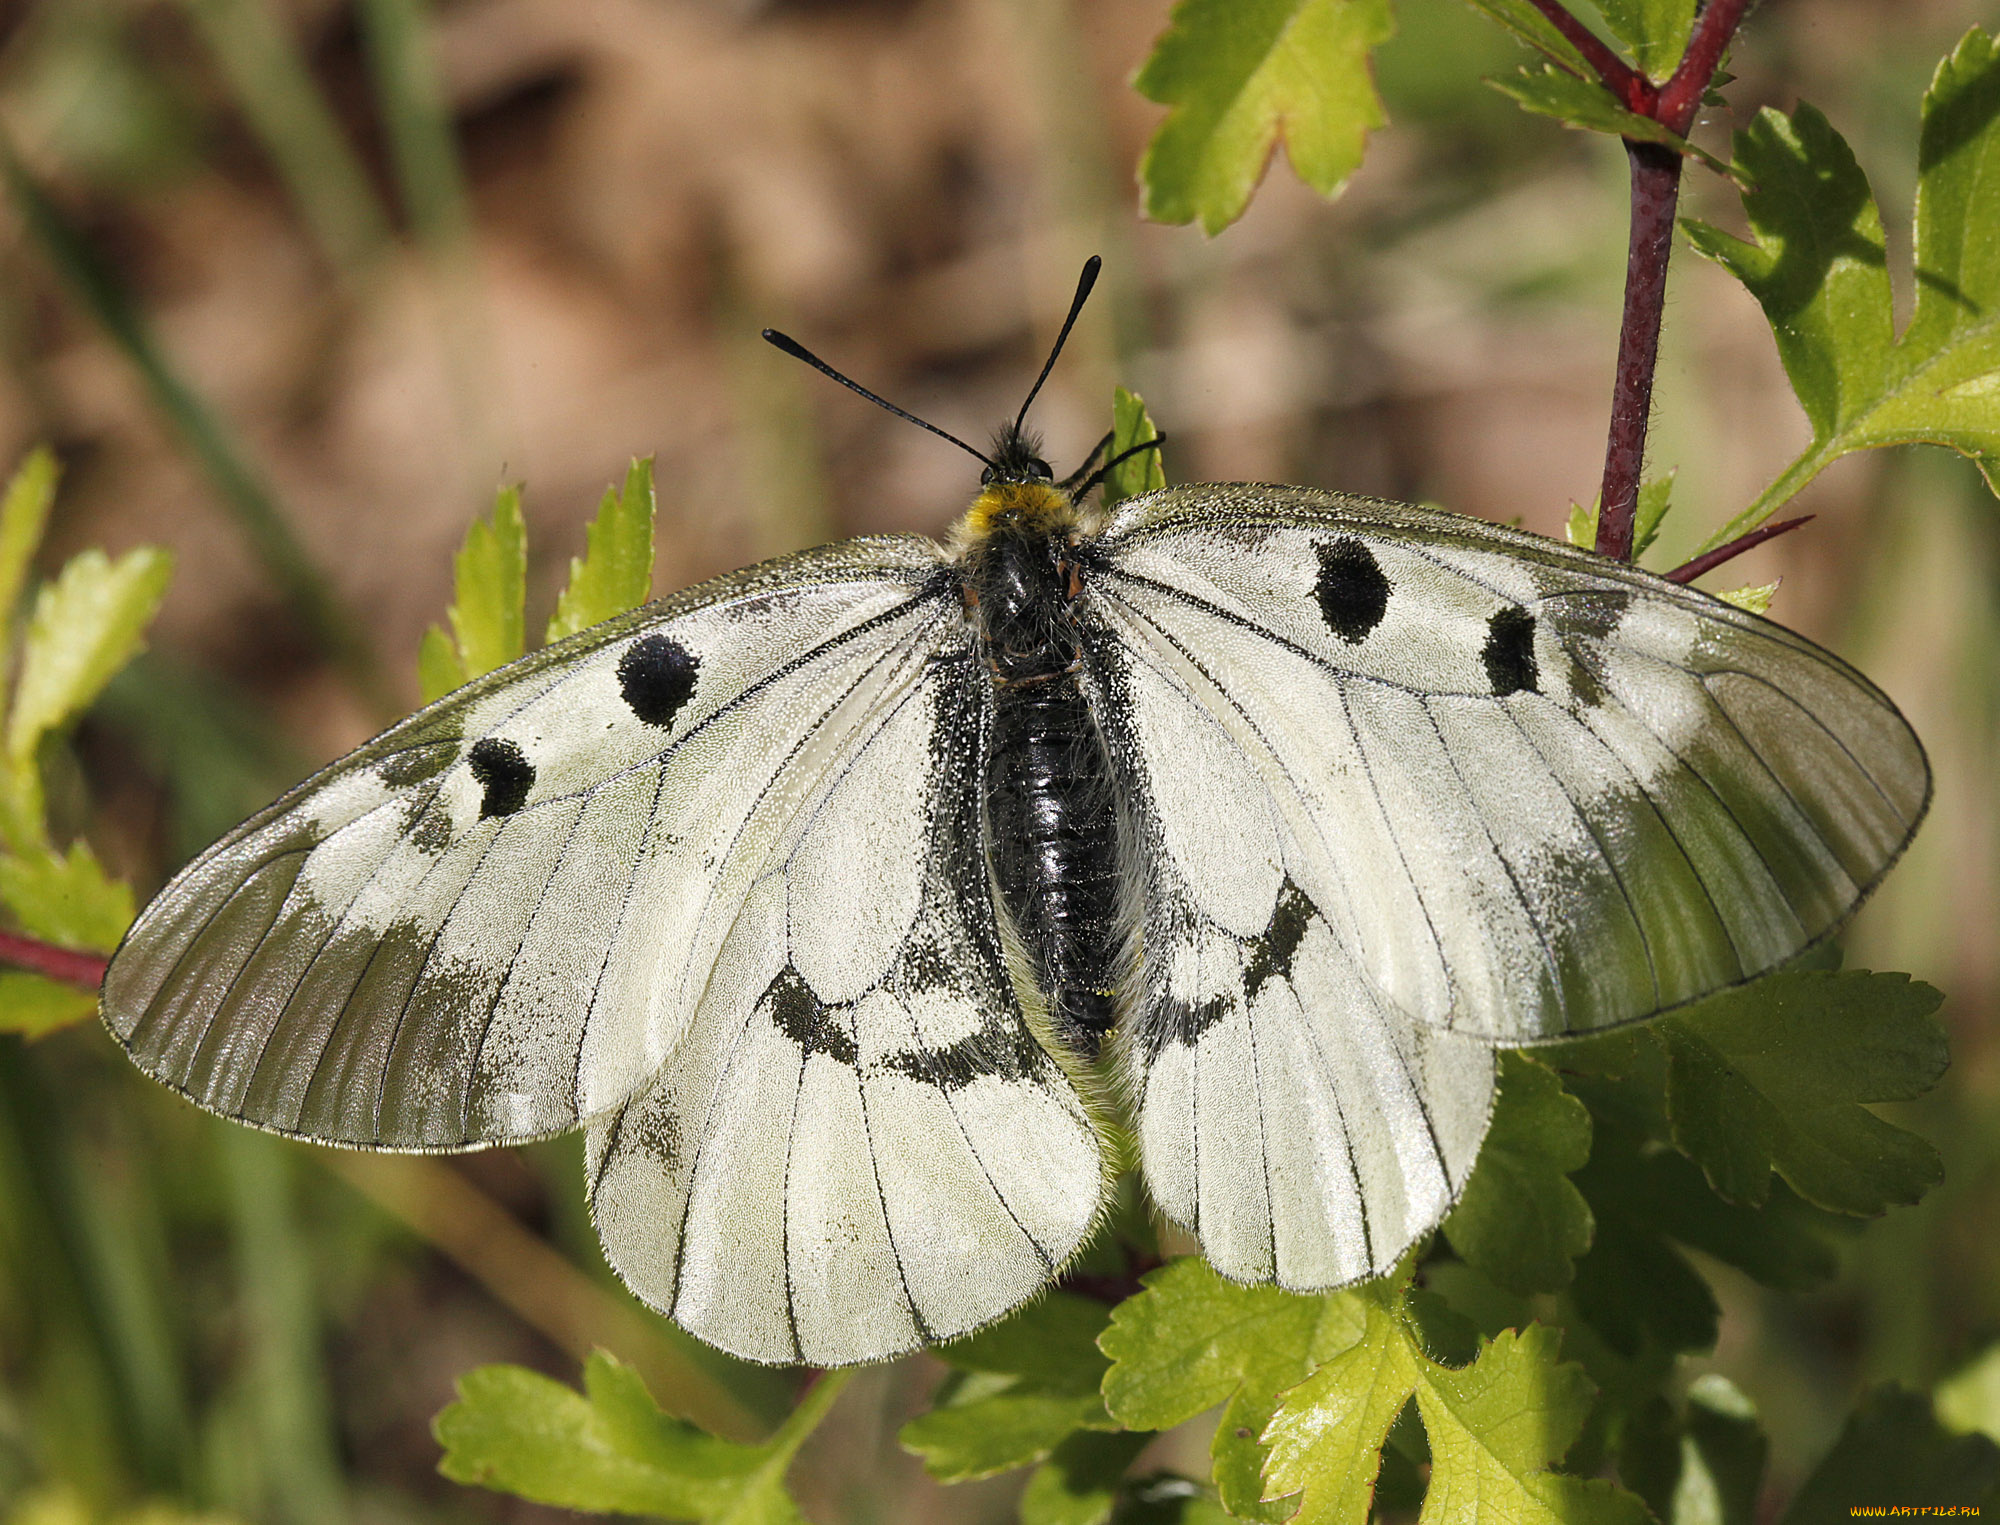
(1051, 809)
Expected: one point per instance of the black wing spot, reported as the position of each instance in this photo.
(503, 773)
(1353, 590)
(1002, 1049)
(808, 1021)
(1510, 652)
(1271, 951)
(656, 676)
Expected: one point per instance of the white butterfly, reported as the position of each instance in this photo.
(845, 901)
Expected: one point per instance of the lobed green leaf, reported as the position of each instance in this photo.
(66, 898)
(1521, 1222)
(1080, 1482)
(610, 1448)
(1969, 1399)
(86, 625)
(1584, 103)
(1494, 1428)
(1816, 263)
(1774, 1075)
(615, 573)
(24, 515)
(1191, 1340)
(1241, 74)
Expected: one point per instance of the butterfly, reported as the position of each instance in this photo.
(855, 904)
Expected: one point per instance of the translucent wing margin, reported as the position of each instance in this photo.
(1533, 792)
(858, 1146)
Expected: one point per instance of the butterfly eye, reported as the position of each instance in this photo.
(986, 477)
(1041, 470)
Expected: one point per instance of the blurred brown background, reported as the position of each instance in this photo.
(398, 254)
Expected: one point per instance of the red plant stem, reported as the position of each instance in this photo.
(1619, 77)
(1729, 550)
(1680, 98)
(1656, 186)
(1656, 189)
(67, 965)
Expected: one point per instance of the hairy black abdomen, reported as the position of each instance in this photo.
(1053, 826)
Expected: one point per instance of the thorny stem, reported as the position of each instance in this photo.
(1708, 561)
(68, 966)
(1656, 183)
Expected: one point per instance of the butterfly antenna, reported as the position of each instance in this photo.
(1097, 476)
(798, 351)
(1083, 284)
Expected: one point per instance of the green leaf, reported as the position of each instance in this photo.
(490, 577)
(1131, 425)
(1969, 1399)
(610, 1448)
(87, 624)
(66, 898)
(1241, 73)
(439, 670)
(616, 571)
(1893, 1452)
(1722, 1456)
(1818, 268)
(1494, 1430)
(1031, 1382)
(1191, 1340)
(24, 514)
(1655, 498)
(1773, 1075)
(1584, 103)
(1754, 599)
(1079, 1483)
(32, 1006)
(1521, 1222)
(1655, 31)
(1527, 23)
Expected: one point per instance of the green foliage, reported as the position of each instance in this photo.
(1818, 266)
(489, 622)
(1191, 1340)
(1495, 1428)
(1131, 425)
(1240, 75)
(1555, 92)
(488, 614)
(1022, 1388)
(616, 571)
(1893, 1452)
(1654, 31)
(611, 1449)
(1655, 498)
(1773, 1077)
(1529, 24)
(1969, 1399)
(1521, 1222)
(81, 628)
